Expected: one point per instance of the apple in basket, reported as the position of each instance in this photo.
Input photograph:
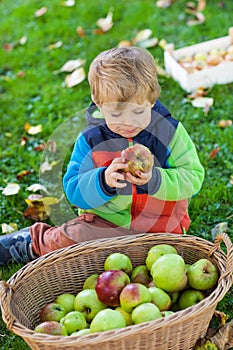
(51, 327)
(88, 303)
(158, 250)
(190, 297)
(141, 274)
(145, 312)
(118, 261)
(202, 274)
(126, 315)
(90, 282)
(66, 300)
(138, 158)
(106, 320)
(84, 331)
(74, 321)
(168, 273)
(160, 298)
(133, 295)
(52, 312)
(109, 286)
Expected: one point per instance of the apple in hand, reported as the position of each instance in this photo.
(66, 300)
(160, 298)
(88, 303)
(118, 261)
(158, 250)
(133, 295)
(126, 315)
(51, 327)
(145, 312)
(52, 312)
(189, 298)
(168, 273)
(107, 319)
(202, 275)
(90, 282)
(109, 286)
(138, 158)
(141, 274)
(74, 321)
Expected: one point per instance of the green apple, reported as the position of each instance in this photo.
(118, 261)
(190, 297)
(66, 300)
(141, 274)
(133, 295)
(126, 315)
(90, 281)
(52, 312)
(167, 313)
(84, 331)
(158, 250)
(160, 298)
(202, 275)
(88, 303)
(107, 319)
(187, 266)
(109, 286)
(51, 327)
(74, 321)
(145, 312)
(168, 273)
(174, 297)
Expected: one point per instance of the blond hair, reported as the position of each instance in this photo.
(122, 75)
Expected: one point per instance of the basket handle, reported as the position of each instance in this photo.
(5, 292)
(223, 237)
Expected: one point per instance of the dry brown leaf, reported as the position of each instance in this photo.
(21, 175)
(32, 130)
(200, 18)
(224, 337)
(55, 45)
(214, 152)
(141, 36)
(23, 141)
(225, 123)
(106, 23)
(75, 78)
(124, 43)
(41, 12)
(8, 47)
(39, 207)
(201, 5)
(11, 189)
(80, 31)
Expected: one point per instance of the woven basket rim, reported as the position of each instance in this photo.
(223, 286)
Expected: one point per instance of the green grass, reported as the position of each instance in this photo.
(40, 97)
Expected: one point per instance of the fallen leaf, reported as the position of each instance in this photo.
(41, 147)
(164, 3)
(21, 74)
(124, 43)
(200, 18)
(20, 176)
(142, 35)
(214, 152)
(23, 141)
(106, 23)
(225, 123)
(163, 43)
(80, 31)
(201, 5)
(201, 102)
(32, 130)
(199, 92)
(68, 3)
(36, 187)
(224, 337)
(75, 78)
(39, 207)
(22, 40)
(8, 47)
(9, 228)
(55, 45)
(45, 166)
(40, 12)
(221, 315)
(71, 65)
(11, 189)
(148, 43)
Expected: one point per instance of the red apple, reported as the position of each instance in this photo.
(50, 327)
(138, 158)
(52, 312)
(141, 274)
(133, 295)
(109, 286)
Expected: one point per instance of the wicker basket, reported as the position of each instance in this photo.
(64, 271)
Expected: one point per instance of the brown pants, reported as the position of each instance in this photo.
(86, 227)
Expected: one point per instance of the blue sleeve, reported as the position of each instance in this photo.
(84, 184)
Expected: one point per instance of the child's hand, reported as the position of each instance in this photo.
(113, 174)
(141, 178)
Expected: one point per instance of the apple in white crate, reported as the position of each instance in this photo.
(168, 273)
(190, 297)
(52, 312)
(145, 312)
(160, 298)
(141, 274)
(202, 274)
(88, 303)
(74, 321)
(50, 327)
(158, 250)
(118, 261)
(90, 282)
(66, 300)
(133, 295)
(106, 320)
(109, 286)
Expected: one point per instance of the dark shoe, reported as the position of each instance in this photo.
(16, 247)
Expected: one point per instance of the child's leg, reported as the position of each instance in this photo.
(83, 228)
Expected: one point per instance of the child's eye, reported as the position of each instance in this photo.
(139, 111)
(116, 114)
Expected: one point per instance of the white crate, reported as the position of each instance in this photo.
(207, 77)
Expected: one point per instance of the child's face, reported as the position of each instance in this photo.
(127, 118)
